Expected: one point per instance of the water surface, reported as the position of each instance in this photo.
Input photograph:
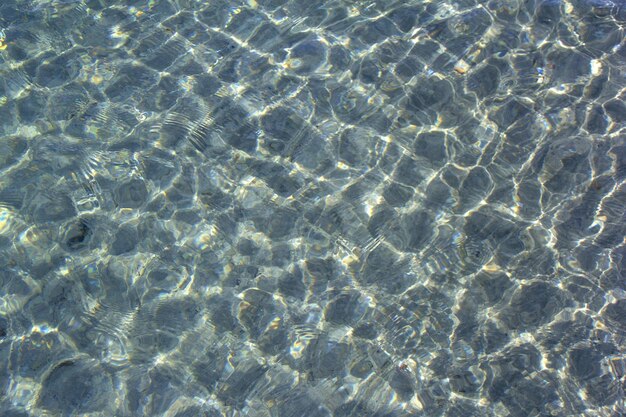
(312, 208)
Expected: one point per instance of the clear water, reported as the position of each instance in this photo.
(312, 208)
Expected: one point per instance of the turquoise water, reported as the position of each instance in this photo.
(312, 208)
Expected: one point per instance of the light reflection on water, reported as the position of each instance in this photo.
(287, 208)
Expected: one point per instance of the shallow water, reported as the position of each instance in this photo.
(312, 208)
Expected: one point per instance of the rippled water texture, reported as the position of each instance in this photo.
(312, 208)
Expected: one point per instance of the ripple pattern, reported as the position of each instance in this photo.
(287, 208)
